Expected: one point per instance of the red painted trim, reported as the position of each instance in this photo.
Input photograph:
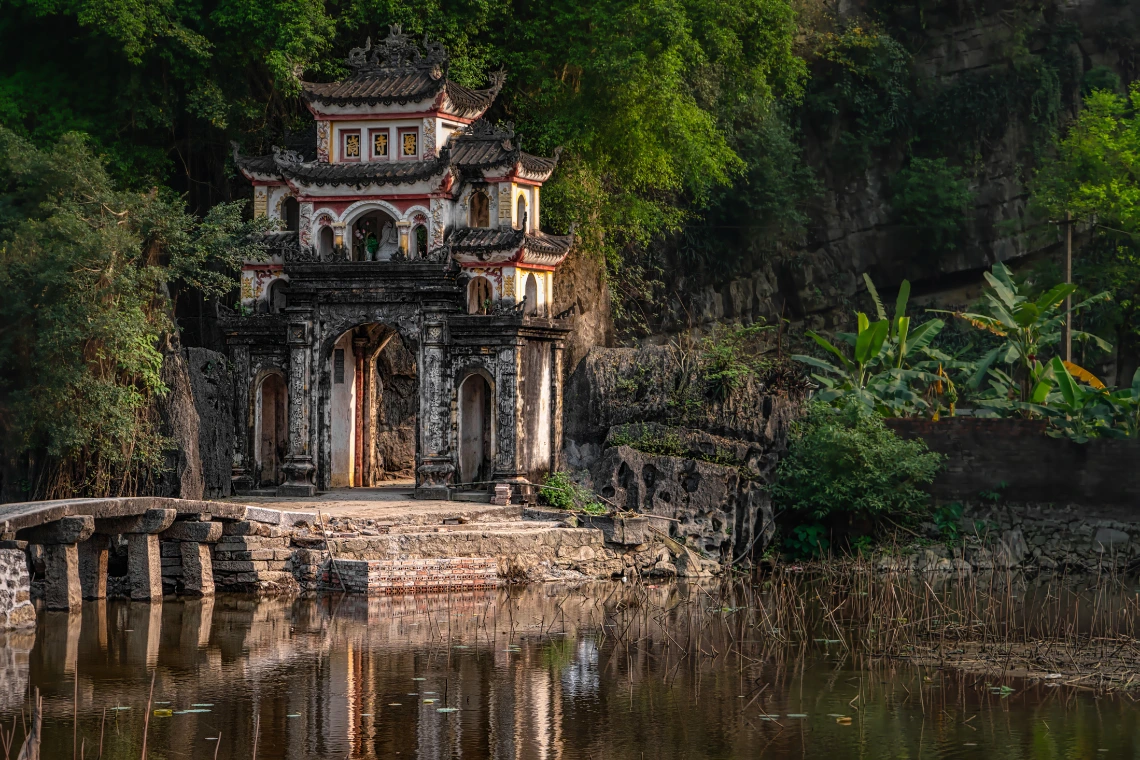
(433, 113)
(268, 183)
(325, 199)
(343, 135)
(516, 179)
(262, 267)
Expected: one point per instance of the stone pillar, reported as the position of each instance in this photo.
(402, 228)
(241, 479)
(359, 360)
(62, 587)
(555, 402)
(93, 555)
(435, 467)
(144, 557)
(194, 538)
(507, 413)
(144, 567)
(298, 465)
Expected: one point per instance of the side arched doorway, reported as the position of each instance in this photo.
(475, 440)
(271, 436)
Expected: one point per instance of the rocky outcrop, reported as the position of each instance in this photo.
(182, 475)
(715, 508)
(211, 387)
(619, 386)
(197, 415)
(640, 432)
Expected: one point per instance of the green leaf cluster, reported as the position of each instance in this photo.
(845, 460)
(84, 269)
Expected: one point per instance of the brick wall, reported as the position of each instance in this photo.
(401, 576)
(980, 454)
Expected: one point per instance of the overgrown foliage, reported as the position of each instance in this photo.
(559, 491)
(931, 197)
(84, 316)
(846, 461)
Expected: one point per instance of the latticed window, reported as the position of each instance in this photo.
(338, 366)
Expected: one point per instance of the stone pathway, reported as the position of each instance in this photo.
(390, 503)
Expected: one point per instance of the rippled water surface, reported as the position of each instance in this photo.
(541, 672)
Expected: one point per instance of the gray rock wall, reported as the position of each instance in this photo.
(211, 387)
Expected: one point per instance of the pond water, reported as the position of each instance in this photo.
(535, 672)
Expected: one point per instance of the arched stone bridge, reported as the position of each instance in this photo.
(164, 536)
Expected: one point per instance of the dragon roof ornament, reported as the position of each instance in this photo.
(398, 53)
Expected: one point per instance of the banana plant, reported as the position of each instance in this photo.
(1026, 327)
(877, 374)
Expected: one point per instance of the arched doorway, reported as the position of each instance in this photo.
(270, 430)
(325, 241)
(478, 295)
(475, 442)
(370, 399)
(374, 237)
(480, 212)
(520, 213)
(291, 211)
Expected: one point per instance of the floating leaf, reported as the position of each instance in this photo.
(797, 715)
(395, 704)
(429, 701)
(125, 707)
(447, 709)
(843, 720)
(419, 679)
(293, 715)
(163, 713)
(202, 704)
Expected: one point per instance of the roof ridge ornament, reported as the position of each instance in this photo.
(283, 157)
(484, 129)
(398, 53)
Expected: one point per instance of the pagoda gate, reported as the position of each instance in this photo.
(399, 323)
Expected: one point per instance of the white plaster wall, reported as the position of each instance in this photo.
(343, 415)
(542, 444)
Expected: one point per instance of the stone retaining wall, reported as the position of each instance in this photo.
(406, 576)
(16, 608)
(983, 454)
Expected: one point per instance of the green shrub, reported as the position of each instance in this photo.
(847, 461)
(558, 491)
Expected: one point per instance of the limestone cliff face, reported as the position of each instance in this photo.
(855, 230)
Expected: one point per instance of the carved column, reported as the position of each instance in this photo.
(298, 465)
(359, 360)
(507, 413)
(240, 478)
(436, 468)
(556, 406)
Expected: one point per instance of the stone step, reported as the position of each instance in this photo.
(474, 497)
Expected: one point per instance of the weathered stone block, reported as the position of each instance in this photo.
(66, 530)
(263, 515)
(194, 532)
(151, 521)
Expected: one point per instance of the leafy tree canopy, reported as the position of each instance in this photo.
(84, 267)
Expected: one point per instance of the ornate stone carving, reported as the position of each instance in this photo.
(399, 53)
(505, 203)
(324, 130)
(260, 201)
(429, 137)
(305, 235)
(506, 392)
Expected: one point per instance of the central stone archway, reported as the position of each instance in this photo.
(369, 407)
